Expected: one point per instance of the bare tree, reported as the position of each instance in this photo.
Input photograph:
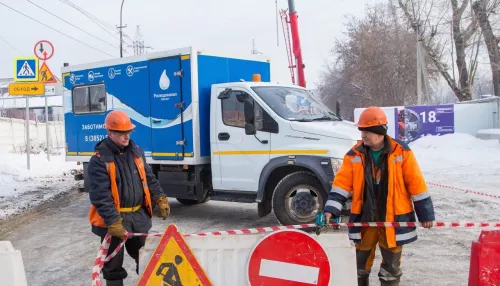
(375, 63)
(427, 18)
(482, 10)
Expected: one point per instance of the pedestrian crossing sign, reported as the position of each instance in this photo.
(26, 69)
(173, 263)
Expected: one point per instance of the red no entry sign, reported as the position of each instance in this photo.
(288, 257)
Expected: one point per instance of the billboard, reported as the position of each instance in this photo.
(415, 122)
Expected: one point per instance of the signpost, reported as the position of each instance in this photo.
(43, 50)
(288, 257)
(26, 89)
(50, 90)
(46, 75)
(173, 263)
(27, 70)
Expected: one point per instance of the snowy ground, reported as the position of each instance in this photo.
(22, 189)
(59, 249)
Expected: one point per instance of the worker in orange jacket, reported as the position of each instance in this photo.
(122, 192)
(382, 177)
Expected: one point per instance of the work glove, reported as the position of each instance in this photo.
(116, 229)
(163, 207)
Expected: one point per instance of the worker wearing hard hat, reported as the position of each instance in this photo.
(383, 178)
(122, 192)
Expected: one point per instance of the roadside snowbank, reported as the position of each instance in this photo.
(21, 188)
(495, 131)
(460, 160)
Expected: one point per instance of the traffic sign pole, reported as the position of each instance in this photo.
(28, 145)
(47, 130)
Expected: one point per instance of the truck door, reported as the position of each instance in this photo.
(242, 157)
(165, 87)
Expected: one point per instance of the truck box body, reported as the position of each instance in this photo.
(209, 136)
(166, 94)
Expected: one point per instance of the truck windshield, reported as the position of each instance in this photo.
(295, 104)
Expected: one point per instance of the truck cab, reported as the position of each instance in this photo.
(278, 145)
(213, 127)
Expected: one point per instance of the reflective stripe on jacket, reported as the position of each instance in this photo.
(93, 215)
(406, 192)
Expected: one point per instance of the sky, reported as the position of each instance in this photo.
(225, 26)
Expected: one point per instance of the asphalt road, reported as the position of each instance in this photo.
(58, 247)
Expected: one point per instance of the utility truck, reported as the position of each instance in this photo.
(213, 127)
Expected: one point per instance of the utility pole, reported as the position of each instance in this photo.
(254, 49)
(419, 68)
(277, 24)
(121, 30)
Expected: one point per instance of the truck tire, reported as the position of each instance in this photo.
(86, 185)
(297, 198)
(189, 202)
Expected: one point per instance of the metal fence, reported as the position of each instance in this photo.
(43, 137)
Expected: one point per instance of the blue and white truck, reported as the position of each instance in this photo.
(213, 127)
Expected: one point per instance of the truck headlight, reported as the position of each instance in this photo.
(336, 163)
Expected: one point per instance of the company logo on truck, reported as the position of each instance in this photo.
(164, 84)
(164, 81)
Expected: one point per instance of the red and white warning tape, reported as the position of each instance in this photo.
(103, 250)
(464, 190)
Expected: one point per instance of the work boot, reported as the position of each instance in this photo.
(114, 282)
(382, 283)
(364, 281)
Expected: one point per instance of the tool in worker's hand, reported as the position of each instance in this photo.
(321, 222)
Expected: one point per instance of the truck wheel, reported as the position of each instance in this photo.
(297, 198)
(189, 202)
(86, 187)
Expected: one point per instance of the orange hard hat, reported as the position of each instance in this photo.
(372, 116)
(118, 120)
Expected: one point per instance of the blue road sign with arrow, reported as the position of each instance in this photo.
(26, 69)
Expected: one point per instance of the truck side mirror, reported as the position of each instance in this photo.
(225, 94)
(241, 96)
(250, 129)
(249, 112)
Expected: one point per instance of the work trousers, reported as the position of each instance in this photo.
(113, 269)
(390, 271)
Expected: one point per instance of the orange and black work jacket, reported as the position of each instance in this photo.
(121, 184)
(391, 191)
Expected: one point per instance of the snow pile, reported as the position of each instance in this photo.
(454, 141)
(489, 131)
(21, 188)
(460, 160)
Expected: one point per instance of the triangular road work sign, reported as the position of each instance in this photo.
(46, 75)
(173, 263)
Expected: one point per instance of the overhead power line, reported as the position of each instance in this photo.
(102, 24)
(12, 46)
(72, 24)
(55, 30)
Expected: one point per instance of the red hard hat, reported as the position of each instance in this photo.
(372, 116)
(118, 120)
